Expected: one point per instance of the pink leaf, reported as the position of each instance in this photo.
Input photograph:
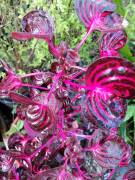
(113, 152)
(111, 42)
(21, 99)
(106, 109)
(112, 75)
(92, 13)
(36, 24)
(130, 175)
(110, 80)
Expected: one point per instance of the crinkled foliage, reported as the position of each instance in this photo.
(112, 42)
(71, 113)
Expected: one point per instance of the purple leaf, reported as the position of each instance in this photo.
(71, 56)
(112, 22)
(110, 81)
(112, 42)
(112, 152)
(17, 142)
(130, 175)
(10, 82)
(92, 13)
(38, 113)
(105, 109)
(21, 99)
(6, 161)
(112, 75)
(45, 78)
(36, 24)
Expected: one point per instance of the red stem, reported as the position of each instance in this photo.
(79, 45)
(32, 74)
(32, 86)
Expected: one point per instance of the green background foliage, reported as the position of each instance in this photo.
(26, 55)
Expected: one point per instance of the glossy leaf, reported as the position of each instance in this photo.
(130, 175)
(36, 24)
(112, 75)
(96, 14)
(45, 78)
(112, 42)
(70, 55)
(10, 82)
(105, 109)
(37, 113)
(112, 153)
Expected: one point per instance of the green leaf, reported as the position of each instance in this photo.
(15, 128)
(120, 8)
(127, 53)
(122, 129)
(130, 112)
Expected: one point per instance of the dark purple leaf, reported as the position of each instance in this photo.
(130, 175)
(112, 153)
(106, 110)
(17, 142)
(21, 99)
(6, 161)
(36, 24)
(70, 55)
(111, 42)
(110, 80)
(112, 75)
(10, 82)
(38, 113)
(45, 78)
(96, 14)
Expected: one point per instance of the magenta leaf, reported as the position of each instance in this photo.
(91, 13)
(110, 81)
(6, 161)
(19, 98)
(97, 15)
(112, 22)
(112, 42)
(70, 55)
(106, 109)
(10, 82)
(112, 75)
(112, 152)
(36, 24)
(130, 175)
(38, 113)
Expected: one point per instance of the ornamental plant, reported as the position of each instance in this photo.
(70, 113)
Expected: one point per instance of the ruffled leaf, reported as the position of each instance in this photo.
(112, 75)
(36, 24)
(130, 175)
(10, 82)
(113, 152)
(105, 109)
(112, 42)
(92, 13)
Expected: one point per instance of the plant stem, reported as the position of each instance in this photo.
(32, 74)
(56, 80)
(81, 68)
(84, 38)
(32, 86)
